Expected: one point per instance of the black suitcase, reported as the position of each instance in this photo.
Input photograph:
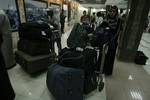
(33, 64)
(86, 61)
(90, 63)
(65, 83)
(78, 37)
(33, 47)
(34, 31)
(140, 58)
(71, 58)
(38, 25)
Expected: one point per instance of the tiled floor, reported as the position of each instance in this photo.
(130, 81)
(34, 88)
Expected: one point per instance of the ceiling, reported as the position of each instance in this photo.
(102, 3)
(91, 1)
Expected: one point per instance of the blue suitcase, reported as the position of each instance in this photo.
(65, 83)
(86, 61)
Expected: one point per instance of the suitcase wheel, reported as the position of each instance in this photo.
(101, 86)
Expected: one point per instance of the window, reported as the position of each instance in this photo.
(35, 10)
(9, 6)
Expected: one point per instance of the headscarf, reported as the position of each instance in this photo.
(113, 20)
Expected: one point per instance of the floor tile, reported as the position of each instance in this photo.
(130, 81)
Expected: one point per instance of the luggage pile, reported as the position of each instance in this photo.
(34, 49)
(75, 74)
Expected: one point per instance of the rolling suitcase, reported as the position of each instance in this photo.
(90, 81)
(33, 64)
(65, 83)
(38, 25)
(33, 47)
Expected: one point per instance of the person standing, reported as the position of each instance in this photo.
(62, 21)
(84, 18)
(114, 23)
(54, 19)
(93, 20)
(6, 90)
(99, 19)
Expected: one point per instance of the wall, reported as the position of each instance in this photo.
(5, 3)
(80, 12)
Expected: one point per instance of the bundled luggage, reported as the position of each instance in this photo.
(34, 64)
(33, 47)
(65, 83)
(79, 57)
(34, 31)
(78, 37)
(71, 58)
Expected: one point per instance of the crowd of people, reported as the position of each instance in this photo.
(98, 18)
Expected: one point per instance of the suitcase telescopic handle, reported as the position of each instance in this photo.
(104, 52)
(55, 31)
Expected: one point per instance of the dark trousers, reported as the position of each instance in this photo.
(62, 27)
(109, 60)
(6, 90)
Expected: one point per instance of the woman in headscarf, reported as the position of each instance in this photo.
(114, 23)
(113, 19)
(6, 90)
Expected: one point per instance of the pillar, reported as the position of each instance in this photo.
(21, 10)
(133, 30)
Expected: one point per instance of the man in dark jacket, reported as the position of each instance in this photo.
(62, 21)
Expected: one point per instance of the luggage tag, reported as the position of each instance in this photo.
(52, 27)
(89, 47)
(43, 33)
(79, 49)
